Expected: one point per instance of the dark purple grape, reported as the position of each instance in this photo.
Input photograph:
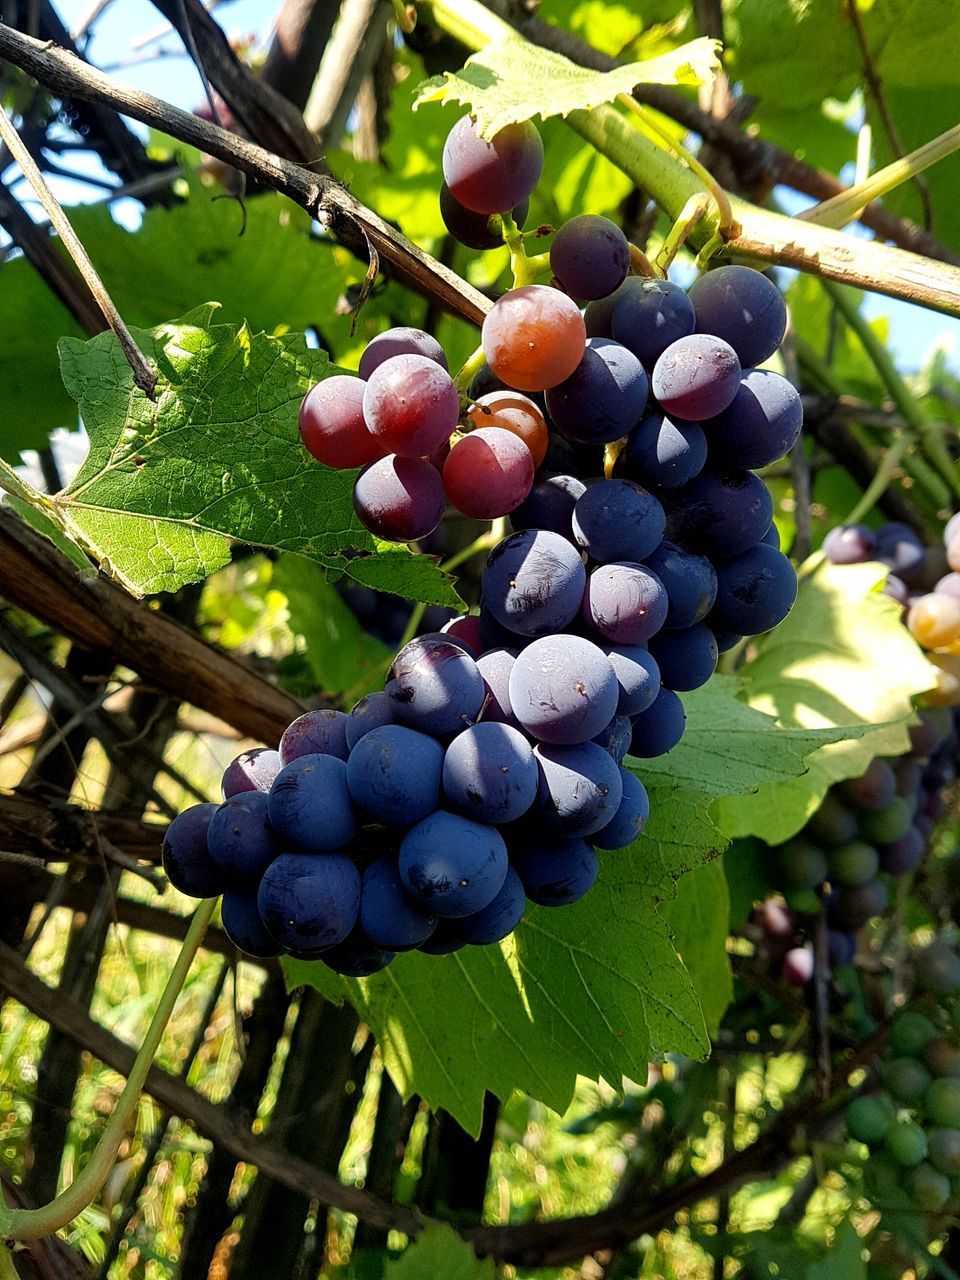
(310, 805)
(563, 689)
(399, 499)
(370, 713)
(630, 819)
(241, 922)
(400, 341)
(355, 957)
(321, 733)
(590, 257)
(650, 315)
(755, 591)
(663, 454)
(451, 865)
(499, 918)
(580, 788)
(555, 872)
(495, 665)
(744, 308)
(849, 544)
(873, 790)
(761, 424)
(550, 504)
(534, 582)
(903, 855)
(849, 907)
(687, 658)
(898, 546)
(252, 770)
(772, 538)
(240, 840)
(658, 729)
(310, 903)
(638, 677)
(186, 855)
(598, 315)
(394, 775)
(615, 738)
(434, 686)
(490, 774)
(719, 514)
(410, 405)
(833, 823)
(690, 582)
(473, 229)
(492, 177)
(696, 377)
(625, 603)
(602, 398)
(388, 917)
(726, 640)
(618, 520)
(841, 948)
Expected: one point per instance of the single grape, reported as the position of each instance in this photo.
(563, 689)
(743, 307)
(775, 919)
(696, 377)
(911, 1032)
(186, 855)
(934, 620)
(332, 425)
(949, 585)
(590, 257)
(761, 424)
(800, 864)
(630, 819)
(241, 922)
(240, 839)
(488, 473)
(399, 499)
(252, 770)
(942, 1056)
(598, 315)
(388, 917)
(944, 1147)
(466, 631)
(755, 591)
(874, 789)
(435, 686)
(869, 1119)
(849, 544)
(833, 823)
(498, 918)
(853, 863)
(941, 1102)
(555, 872)
(797, 967)
(626, 603)
(689, 580)
(658, 729)
(394, 775)
(907, 1143)
(490, 774)
(849, 907)
(534, 582)
(615, 738)
(602, 398)
(321, 733)
(883, 826)
(309, 903)
(516, 413)
(369, 713)
(495, 665)
(929, 1188)
(355, 957)
(662, 453)
(400, 341)
(898, 546)
(897, 589)
(492, 176)
(580, 788)
(473, 229)
(310, 805)
(649, 316)
(533, 337)
(410, 405)
(936, 968)
(550, 505)
(953, 553)
(618, 520)
(772, 538)
(841, 948)
(719, 514)
(687, 658)
(451, 865)
(638, 677)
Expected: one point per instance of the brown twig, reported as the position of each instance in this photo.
(144, 376)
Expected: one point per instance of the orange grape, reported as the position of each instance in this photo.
(517, 414)
(947, 692)
(934, 620)
(534, 337)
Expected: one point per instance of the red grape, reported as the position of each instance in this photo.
(332, 426)
(534, 337)
(399, 499)
(411, 405)
(488, 473)
(516, 413)
(492, 177)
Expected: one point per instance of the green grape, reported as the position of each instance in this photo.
(941, 1103)
(945, 1150)
(853, 863)
(942, 1056)
(883, 826)
(929, 1187)
(833, 823)
(906, 1079)
(869, 1119)
(937, 968)
(907, 1143)
(910, 1033)
(805, 902)
(802, 865)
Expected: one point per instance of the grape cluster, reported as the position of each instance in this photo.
(924, 580)
(912, 1127)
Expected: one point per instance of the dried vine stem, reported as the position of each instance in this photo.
(322, 197)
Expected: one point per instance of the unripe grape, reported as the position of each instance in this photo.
(934, 620)
(905, 1078)
(911, 1033)
(941, 1103)
(906, 1143)
(929, 1187)
(869, 1119)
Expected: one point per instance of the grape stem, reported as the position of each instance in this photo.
(468, 371)
(8, 1268)
(691, 213)
(32, 1224)
(485, 542)
(640, 264)
(889, 465)
(525, 267)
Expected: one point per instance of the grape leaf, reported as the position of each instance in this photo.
(216, 458)
(843, 1260)
(512, 80)
(841, 658)
(595, 989)
(438, 1253)
(699, 918)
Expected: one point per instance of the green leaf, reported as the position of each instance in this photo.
(844, 1260)
(438, 1253)
(841, 659)
(512, 81)
(43, 524)
(699, 918)
(168, 484)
